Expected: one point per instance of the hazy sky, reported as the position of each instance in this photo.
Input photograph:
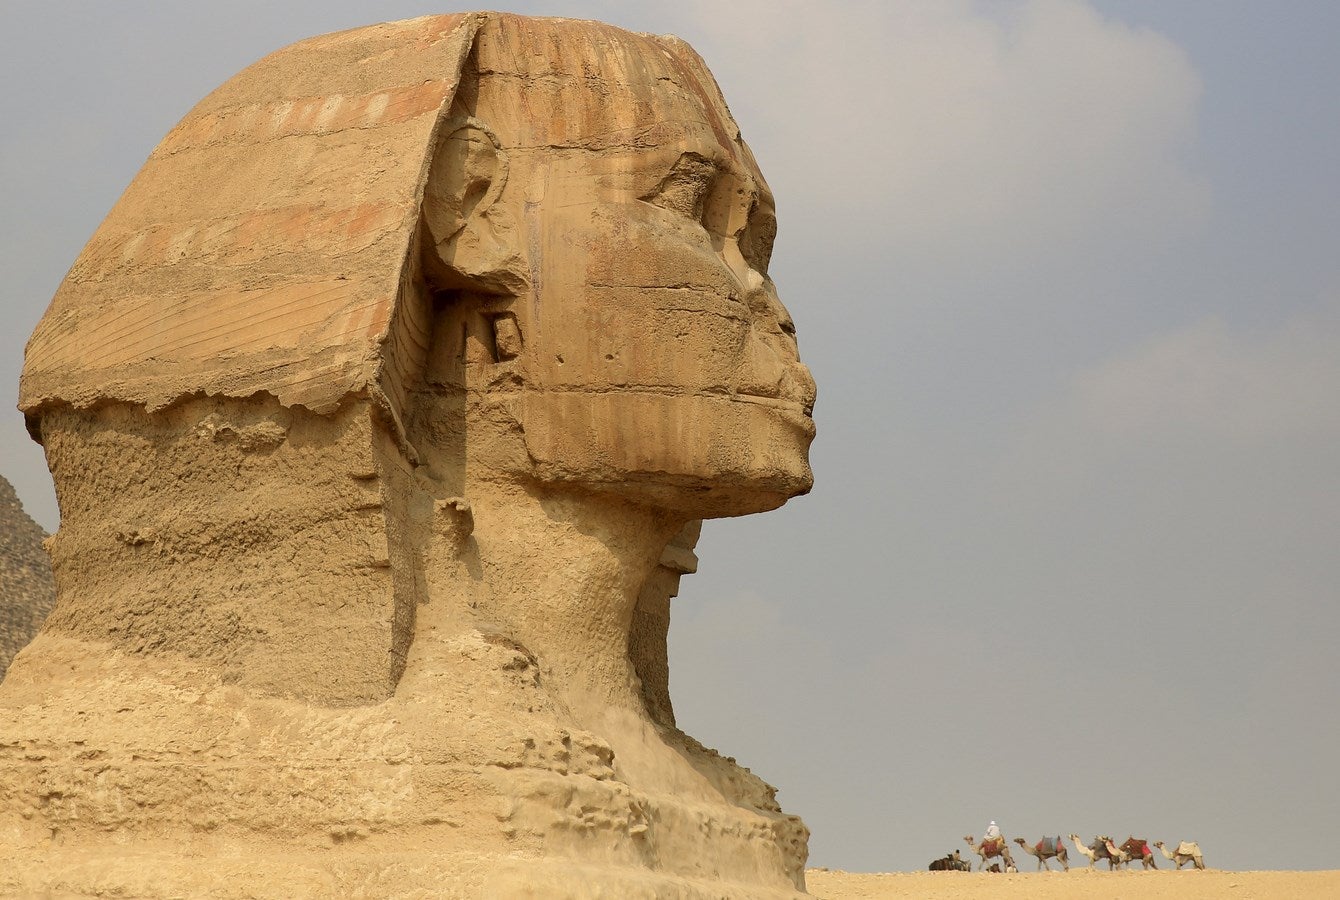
(1068, 276)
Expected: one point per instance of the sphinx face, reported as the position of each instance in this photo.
(651, 354)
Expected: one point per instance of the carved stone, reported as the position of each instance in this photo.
(382, 410)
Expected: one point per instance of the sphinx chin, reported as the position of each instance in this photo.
(705, 455)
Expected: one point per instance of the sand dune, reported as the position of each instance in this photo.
(1078, 884)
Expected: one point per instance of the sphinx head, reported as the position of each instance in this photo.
(456, 249)
(596, 240)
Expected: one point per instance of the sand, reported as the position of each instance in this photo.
(1078, 884)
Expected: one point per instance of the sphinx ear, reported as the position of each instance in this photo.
(469, 241)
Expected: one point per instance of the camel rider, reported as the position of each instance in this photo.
(992, 836)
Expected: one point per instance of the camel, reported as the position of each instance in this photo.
(1044, 850)
(990, 850)
(954, 862)
(1116, 857)
(1083, 850)
(1186, 852)
(1138, 848)
(1131, 849)
(1094, 851)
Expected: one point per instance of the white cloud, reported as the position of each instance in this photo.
(956, 124)
(1199, 464)
(1275, 385)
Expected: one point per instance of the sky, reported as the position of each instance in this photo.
(1067, 275)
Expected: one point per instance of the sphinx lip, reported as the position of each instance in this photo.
(798, 415)
(780, 403)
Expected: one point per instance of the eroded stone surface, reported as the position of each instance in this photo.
(379, 463)
(27, 591)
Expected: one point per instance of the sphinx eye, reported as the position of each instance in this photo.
(685, 187)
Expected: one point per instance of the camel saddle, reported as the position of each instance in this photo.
(1136, 847)
(993, 846)
(1048, 846)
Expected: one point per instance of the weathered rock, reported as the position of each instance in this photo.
(383, 409)
(27, 590)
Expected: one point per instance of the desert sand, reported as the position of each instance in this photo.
(1077, 884)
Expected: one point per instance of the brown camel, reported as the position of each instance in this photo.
(990, 850)
(1046, 849)
(954, 862)
(1138, 848)
(1131, 849)
(1186, 852)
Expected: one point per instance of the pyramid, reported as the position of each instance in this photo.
(27, 589)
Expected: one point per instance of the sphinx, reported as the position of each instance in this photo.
(383, 410)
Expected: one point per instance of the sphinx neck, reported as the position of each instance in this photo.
(560, 572)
